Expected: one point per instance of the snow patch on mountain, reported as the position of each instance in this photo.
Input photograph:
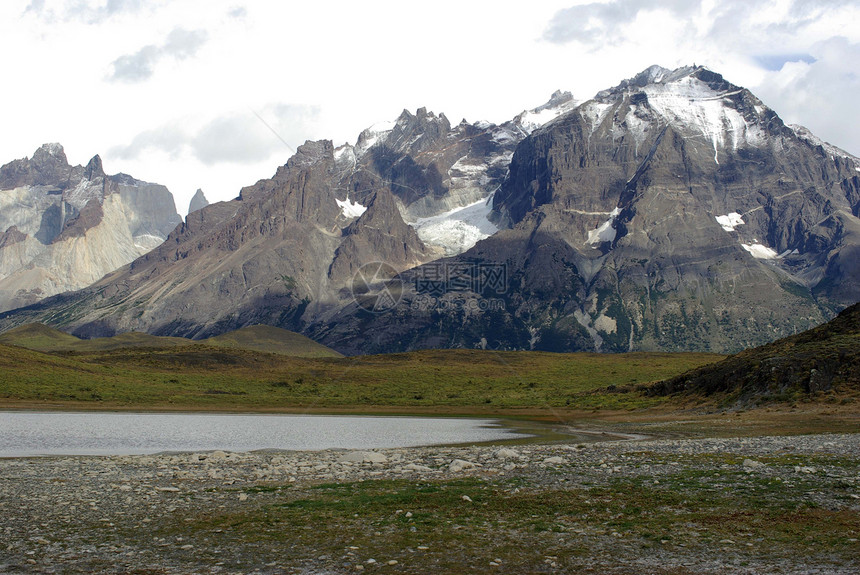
(459, 229)
(637, 126)
(595, 112)
(760, 251)
(373, 135)
(81, 194)
(53, 148)
(530, 120)
(350, 209)
(692, 104)
(462, 173)
(730, 221)
(606, 232)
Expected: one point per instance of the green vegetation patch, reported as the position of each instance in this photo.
(202, 376)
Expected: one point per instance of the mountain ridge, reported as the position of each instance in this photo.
(674, 211)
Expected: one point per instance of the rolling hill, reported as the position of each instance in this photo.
(258, 338)
(823, 360)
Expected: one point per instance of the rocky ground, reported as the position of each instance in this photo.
(751, 505)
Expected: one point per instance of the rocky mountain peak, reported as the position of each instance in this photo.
(559, 104)
(67, 226)
(659, 76)
(379, 234)
(48, 166)
(557, 99)
(415, 133)
(94, 168)
(198, 202)
(310, 153)
(54, 150)
(49, 162)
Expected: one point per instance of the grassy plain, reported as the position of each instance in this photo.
(204, 377)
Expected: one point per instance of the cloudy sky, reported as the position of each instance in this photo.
(215, 94)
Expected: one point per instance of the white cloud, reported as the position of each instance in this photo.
(822, 95)
(245, 137)
(91, 12)
(180, 44)
(250, 137)
(601, 23)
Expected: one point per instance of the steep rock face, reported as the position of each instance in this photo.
(64, 227)
(198, 201)
(379, 230)
(672, 212)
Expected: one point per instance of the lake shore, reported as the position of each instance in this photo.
(731, 505)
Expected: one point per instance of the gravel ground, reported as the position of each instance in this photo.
(163, 513)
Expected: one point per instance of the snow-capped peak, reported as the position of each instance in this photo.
(53, 148)
(559, 104)
(695, 105)
(693, 100)
(373, 135)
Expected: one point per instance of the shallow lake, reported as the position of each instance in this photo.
(63, 433)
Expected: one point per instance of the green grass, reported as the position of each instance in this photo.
(270, 339)
(39, 337)
(204, 377)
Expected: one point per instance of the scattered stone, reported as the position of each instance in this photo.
(506, 453)
(123, 494)
(459, 465)
(363, 457)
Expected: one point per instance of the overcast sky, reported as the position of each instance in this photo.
(215, 93)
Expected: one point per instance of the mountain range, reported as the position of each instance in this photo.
(64, 227)
(675, 211)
